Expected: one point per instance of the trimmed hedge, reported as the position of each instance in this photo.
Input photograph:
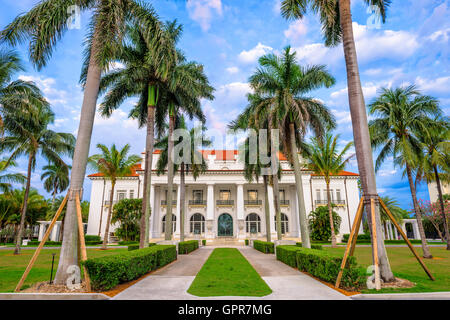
(204, 242)
(360, 237)
(132, 247)
(326, 267)
(59, 243)
(186, 247)
(313, 246)
(109, 271)
(89, 238)
(322, 265)
(246, 242)
(126, 243)
(263, 246)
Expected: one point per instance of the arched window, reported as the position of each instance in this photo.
(284, 223)
(252, 223)
(174, 223)
(197, 223)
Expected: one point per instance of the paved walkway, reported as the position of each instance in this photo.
(173, 281)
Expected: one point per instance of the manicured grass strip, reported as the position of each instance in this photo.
(12, 267)
(405, 266)
(228, 273)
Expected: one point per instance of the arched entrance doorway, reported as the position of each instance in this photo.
(225, 225)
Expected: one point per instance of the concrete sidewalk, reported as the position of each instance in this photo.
(173, 281)
(404, 296)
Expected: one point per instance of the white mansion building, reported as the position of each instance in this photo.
(221, 203)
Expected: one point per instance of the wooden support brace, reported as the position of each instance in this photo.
(44, 239)
(82, 242)
(351, 241)
(375, 245)
(406, 239)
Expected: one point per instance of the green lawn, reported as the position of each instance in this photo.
(12, 267)
(228, 273)
(405, 266)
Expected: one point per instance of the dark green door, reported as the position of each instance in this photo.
(225, 225)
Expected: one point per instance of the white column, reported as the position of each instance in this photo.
(41, 231)
(210, 203)
(152, 212)
(416, 230)
(396, 233)
(178, 210)
(240, 201)
(271, 209)
(53, 234)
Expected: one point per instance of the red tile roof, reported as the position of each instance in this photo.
(133, 172)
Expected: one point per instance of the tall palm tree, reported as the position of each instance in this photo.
(113, 164)
(435, 141)
(398, 115)
(42, 27)
(196, 164)
(258, 115)
(327, 161)
(142, 76)
(56, 179)
(336, 20)
(284, 80)
(7, 178)
(27, 134)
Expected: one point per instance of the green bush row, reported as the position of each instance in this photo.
(204, 242)
(313, 246)
(246, 242)
(187, 246)
(58, 243)
(126, 243)
(132, 247)
(263, 246)
(109, 271)
(92, 238)
(360, 237)
(322, 265)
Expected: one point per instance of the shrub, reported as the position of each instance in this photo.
(319, 223)
(246, 242)
(313, 246)
(93, 243)
(127, 214)
(204, 242)
(364, 237)
(186, 247)
(89, 238)
(107, 272)
(263, 246)
(133, 247)
(325, 266)
(47, 243)
(287, 255)
(126, 243)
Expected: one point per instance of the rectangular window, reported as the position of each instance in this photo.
(282, 195)
(121, 194)
(225, 195)
(131, 194)
(197, 195)
(338, 194)
(252, 195)
(318, 196)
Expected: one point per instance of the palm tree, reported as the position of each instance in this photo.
(398, 115)
(436, 148)
(258, 115)
(195, 163)
(336, 20)
(56, 179)
(327, 161)
(112, 163)
(141, 76)
(26, 124)
(282, 79)
(42, 27)
(7, 178)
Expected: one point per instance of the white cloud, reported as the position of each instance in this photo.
(440, 35)
(47, 86)
(252, 55)
(296, 31)
(232, 70)
(369, 91)
(438, 85)
(202, 11)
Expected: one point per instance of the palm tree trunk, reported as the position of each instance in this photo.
(361, 131)
(61, 233)
(306, 242)
(69, 251)
(426, 250)
(330, 215)
(24, 206)
(108, 218)
(169, 226)
(266, 208)
(441, 204)
(276, 189)
(146, 208)
(182, 200)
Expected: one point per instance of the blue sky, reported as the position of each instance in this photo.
(228, 36)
